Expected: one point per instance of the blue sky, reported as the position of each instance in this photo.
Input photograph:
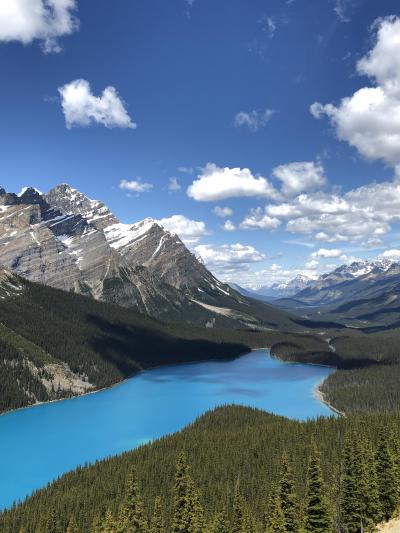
(198, 87)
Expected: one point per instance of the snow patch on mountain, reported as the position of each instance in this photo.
(124, 235)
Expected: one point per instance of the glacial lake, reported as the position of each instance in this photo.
(40, 443)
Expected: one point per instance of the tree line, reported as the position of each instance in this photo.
(369, 492)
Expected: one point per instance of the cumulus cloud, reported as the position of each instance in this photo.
(299, 177)
(229, 226)
(190, 231)
(82, 108)
(369, 120)
(215, 183)
(174, 185)
(223, 212)
(135, 186)
(254, 120)
(326, 252)
(229, 255)
(43, 20)
(259, 219)
(363, 213)
(393, 254)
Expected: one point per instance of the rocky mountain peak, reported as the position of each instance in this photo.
(7, 198)
(66, 240)
(31, 196)
(70, 201)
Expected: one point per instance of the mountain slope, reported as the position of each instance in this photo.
(68, 241)
(55, 344)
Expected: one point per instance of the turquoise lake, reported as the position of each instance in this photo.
(40, 443)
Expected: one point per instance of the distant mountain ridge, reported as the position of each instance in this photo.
(364, 294)
(68, 241)
(282, 289)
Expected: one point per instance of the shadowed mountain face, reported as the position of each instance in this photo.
(68, 241)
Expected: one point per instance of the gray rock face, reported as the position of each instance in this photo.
(70, 201)
(71, 242)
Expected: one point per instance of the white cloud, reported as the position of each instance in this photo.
(82, 108)
(43, 20)
(223, 212)
(325, 252)
(254, 120)
(365, 213)
(393, 254)
(135, 186)
(174, 185)
(229, 255)
(259, 219)
(299, 177)
(369, 120)
(229, 226)
(190, 231)
(217, 183)
(313, 264)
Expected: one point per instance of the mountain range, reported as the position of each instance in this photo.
(68, 241)
(282, 289)
(362, 294)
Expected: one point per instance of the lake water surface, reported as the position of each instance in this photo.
(38, 444)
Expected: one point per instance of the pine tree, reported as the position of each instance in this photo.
(72, 526)
(195, 509)
(219, 524)
(247, 522)
(105, 524)
(277, 522)
(368, 484)
(52, 525)
(287, 497)
(387, 482)
(157, 523)
(395, 447)
(351, 501)
(131, 516)
(238, 509)
(182, 504)
(316, 519)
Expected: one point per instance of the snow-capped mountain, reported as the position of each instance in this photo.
(68, 241)
(285, 289)
(356, 280)
(362, 268)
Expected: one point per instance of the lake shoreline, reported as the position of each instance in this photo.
(127, 416)
(317, 393)
(124, 380)
(320, 396)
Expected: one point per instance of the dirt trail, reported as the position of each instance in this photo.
(391, 527)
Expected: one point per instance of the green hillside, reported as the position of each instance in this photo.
(55, 344)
